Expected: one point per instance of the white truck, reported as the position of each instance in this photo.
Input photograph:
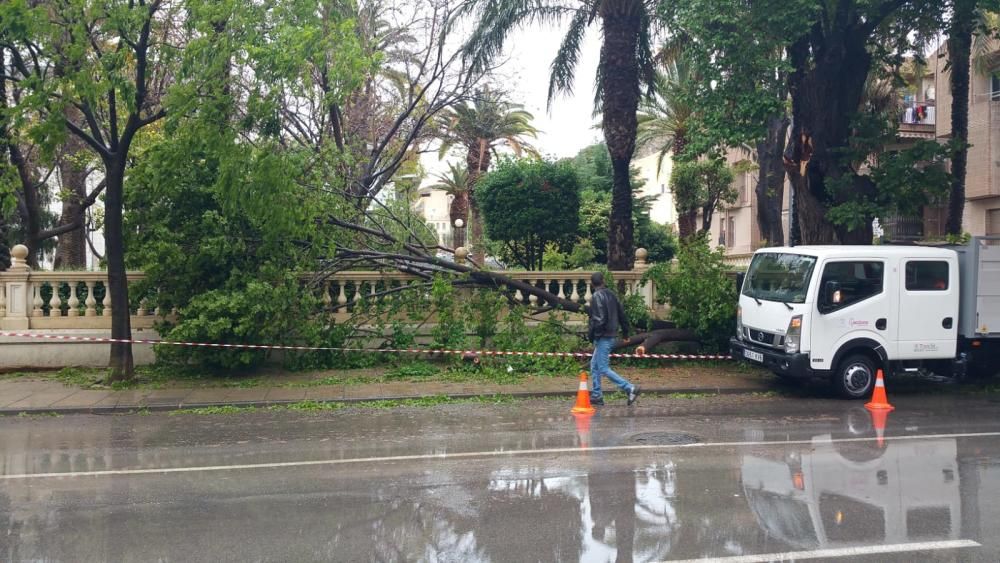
(843, 312)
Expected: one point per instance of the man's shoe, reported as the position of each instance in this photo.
(633, 394)
(597, 402)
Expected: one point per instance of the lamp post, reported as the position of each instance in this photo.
(459, 233)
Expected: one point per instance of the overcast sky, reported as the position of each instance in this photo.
(569, 126)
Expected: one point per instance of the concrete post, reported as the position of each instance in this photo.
(648, 291)
(17, 286)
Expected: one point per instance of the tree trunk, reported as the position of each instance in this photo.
(959, 51)
(770, 187)
(826, 88)
(121, 363)
(619, 89)
(477, 161)
(71, 251)
(687, 224)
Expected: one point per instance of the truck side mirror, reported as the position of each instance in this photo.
(832, 296)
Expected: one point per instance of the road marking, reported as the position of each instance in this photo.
(839, 552)
(480, 454)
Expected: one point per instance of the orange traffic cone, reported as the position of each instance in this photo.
(879, 400)
(879, 417)
(583, 397)
(583, 429)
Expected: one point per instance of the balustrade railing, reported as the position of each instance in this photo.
(80, 300)
(62, 299)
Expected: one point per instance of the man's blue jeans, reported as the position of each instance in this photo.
(600, 366)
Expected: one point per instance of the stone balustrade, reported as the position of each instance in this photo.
(80, 300)
(343, 291)
(59, 300)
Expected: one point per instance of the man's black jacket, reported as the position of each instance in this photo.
(606, 315)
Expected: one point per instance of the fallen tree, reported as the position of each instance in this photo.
(385, 251)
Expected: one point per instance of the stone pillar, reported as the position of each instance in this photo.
(648, 291)
(17, 284)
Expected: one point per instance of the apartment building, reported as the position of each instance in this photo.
(433, 205)
(656, 177)
(982, 181)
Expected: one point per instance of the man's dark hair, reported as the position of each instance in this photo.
(597, 278)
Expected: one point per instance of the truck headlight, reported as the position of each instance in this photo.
(793, 336)
(739, 322)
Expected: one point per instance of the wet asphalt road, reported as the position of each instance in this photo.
(512, 482)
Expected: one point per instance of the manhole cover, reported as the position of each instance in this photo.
(665, 439)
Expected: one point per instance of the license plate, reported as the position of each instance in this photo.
(755, 356)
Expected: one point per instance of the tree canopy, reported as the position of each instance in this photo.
(529, 203)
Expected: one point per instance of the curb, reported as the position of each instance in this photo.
(120, 409)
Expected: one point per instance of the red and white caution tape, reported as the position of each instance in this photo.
(473, 353)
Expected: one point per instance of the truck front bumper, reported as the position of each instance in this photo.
(785, 365)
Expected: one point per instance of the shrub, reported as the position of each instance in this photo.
(701, 294)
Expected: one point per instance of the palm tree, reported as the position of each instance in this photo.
(626, 66)
(479, 127)
(971, 35)
(985, 45)
(664, 117)
(456, 183)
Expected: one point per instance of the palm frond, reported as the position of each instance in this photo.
(986, 43)
(564, 64)
(497, 20)
(454, 181)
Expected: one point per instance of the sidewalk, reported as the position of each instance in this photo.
(39, 394)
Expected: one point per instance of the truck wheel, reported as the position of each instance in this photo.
(854, 378)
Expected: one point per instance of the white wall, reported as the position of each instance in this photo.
(657, 185)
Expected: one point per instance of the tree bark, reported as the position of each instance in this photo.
(826, 86)
(477, 161)
(687, 224)
(770, 187)
(619, 89)
(959, 52)
(120, 362)
(71, 251)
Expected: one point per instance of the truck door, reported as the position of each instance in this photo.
(865, 299)
(928, 308)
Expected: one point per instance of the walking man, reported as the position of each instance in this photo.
(606, 316)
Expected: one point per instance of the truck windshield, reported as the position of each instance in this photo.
(779, 277)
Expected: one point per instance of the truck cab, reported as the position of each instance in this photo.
(844, 312)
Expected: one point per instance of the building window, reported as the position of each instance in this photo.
(993, 222)
(663, 189)
(731, 239)
(926, 276)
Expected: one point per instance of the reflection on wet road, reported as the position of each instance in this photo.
(768, 476)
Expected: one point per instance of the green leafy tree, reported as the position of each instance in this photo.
(701, 293)
(626, 67)
(700, 186)
(479, 126)
(116, 62)
(821, 54)
(529, 203)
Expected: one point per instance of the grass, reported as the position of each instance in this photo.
(691, 395)
(495, 371)
(35, 415)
